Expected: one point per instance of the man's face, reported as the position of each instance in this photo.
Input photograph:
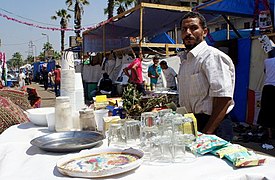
(156, 62)
(192, 33)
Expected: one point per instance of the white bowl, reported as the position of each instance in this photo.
(38, 115)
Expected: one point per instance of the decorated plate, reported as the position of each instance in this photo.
(100, 162)
(68, 141)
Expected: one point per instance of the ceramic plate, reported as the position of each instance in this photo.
(100, 162)
(68, 141)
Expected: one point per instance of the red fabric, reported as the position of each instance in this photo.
(250, 107)
(57, 74)
(11, 114)
(136, 72)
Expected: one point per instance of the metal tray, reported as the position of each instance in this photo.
(68, 141)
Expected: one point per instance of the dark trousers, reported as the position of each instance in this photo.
(224, 130)
(57, 89)
(140, 88)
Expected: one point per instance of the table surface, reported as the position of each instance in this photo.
(20, 160)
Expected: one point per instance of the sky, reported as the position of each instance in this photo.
(16, 37)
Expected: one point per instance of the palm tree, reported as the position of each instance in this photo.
(64, 19)
(16, 61)
(123, 5)
(120, 5)
(78, 11)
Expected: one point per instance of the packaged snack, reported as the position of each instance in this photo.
(207, 143)
(229, 149)
(244, 159)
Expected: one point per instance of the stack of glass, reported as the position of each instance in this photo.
(166, 136)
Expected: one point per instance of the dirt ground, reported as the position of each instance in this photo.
(48, 100)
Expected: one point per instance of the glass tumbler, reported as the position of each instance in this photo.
(183, 136)
(132, 132)
(116, 135)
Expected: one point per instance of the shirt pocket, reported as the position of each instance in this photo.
(198, 85)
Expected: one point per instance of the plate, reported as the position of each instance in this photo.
(100, 162)
(68, 141)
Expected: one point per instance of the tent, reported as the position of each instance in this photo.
(241, 8)
(131, 27)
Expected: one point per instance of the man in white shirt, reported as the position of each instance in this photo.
(206, 79)
(170, 75)
(266, 114)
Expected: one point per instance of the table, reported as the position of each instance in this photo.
(20, 160)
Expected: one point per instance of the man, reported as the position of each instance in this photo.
(105, 84)
(206, 79)
(154, 72)
(21, 79)
(45, 76)
(136, 73)
(57, 79)
(170, 75)
(266, 114)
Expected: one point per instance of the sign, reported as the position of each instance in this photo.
(49, 53)
(72, 42)
(266, 43)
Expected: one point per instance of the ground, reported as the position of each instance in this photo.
(48, 100)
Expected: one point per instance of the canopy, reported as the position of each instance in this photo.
(144, 20)
(242, 8)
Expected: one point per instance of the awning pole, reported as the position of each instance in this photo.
(104, 40)
(140, 29)
(232, 26)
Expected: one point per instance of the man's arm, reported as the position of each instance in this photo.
(125, 70)
(220, 106)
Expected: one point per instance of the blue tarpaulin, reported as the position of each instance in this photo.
(242, 8)
(162, 38)
(242, 80)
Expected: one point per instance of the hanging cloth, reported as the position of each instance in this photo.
(263, 17)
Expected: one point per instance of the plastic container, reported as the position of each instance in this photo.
(63, 114)
(99, 114)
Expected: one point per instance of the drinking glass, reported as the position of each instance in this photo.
(149, 129)
(183, 136)
(132, 132)
(116, 135)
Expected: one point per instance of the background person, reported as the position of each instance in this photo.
(266, 114)
(136, 73)
(170, 75)
(45, 77)
(206, 79)
(154, 72)
(21, 79)
(57, 80)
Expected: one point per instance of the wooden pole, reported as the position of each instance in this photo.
(104, 40)
(140, 29)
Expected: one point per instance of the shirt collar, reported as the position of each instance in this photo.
(196, 50)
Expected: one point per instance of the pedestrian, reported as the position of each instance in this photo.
(266, 114)
(45, 76)
(57, 79)
(21, 79)
(170, 75)
(136, 73)
(206, 79)
(154, 72)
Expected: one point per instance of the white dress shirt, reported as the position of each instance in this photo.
(205, 72)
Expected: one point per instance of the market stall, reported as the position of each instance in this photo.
(30, 162)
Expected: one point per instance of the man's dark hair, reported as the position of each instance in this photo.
(195, 15)
(163, 63)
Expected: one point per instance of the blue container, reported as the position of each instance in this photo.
(9, 83)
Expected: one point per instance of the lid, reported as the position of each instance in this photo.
(63, 98)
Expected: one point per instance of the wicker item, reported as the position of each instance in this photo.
(10, 114)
